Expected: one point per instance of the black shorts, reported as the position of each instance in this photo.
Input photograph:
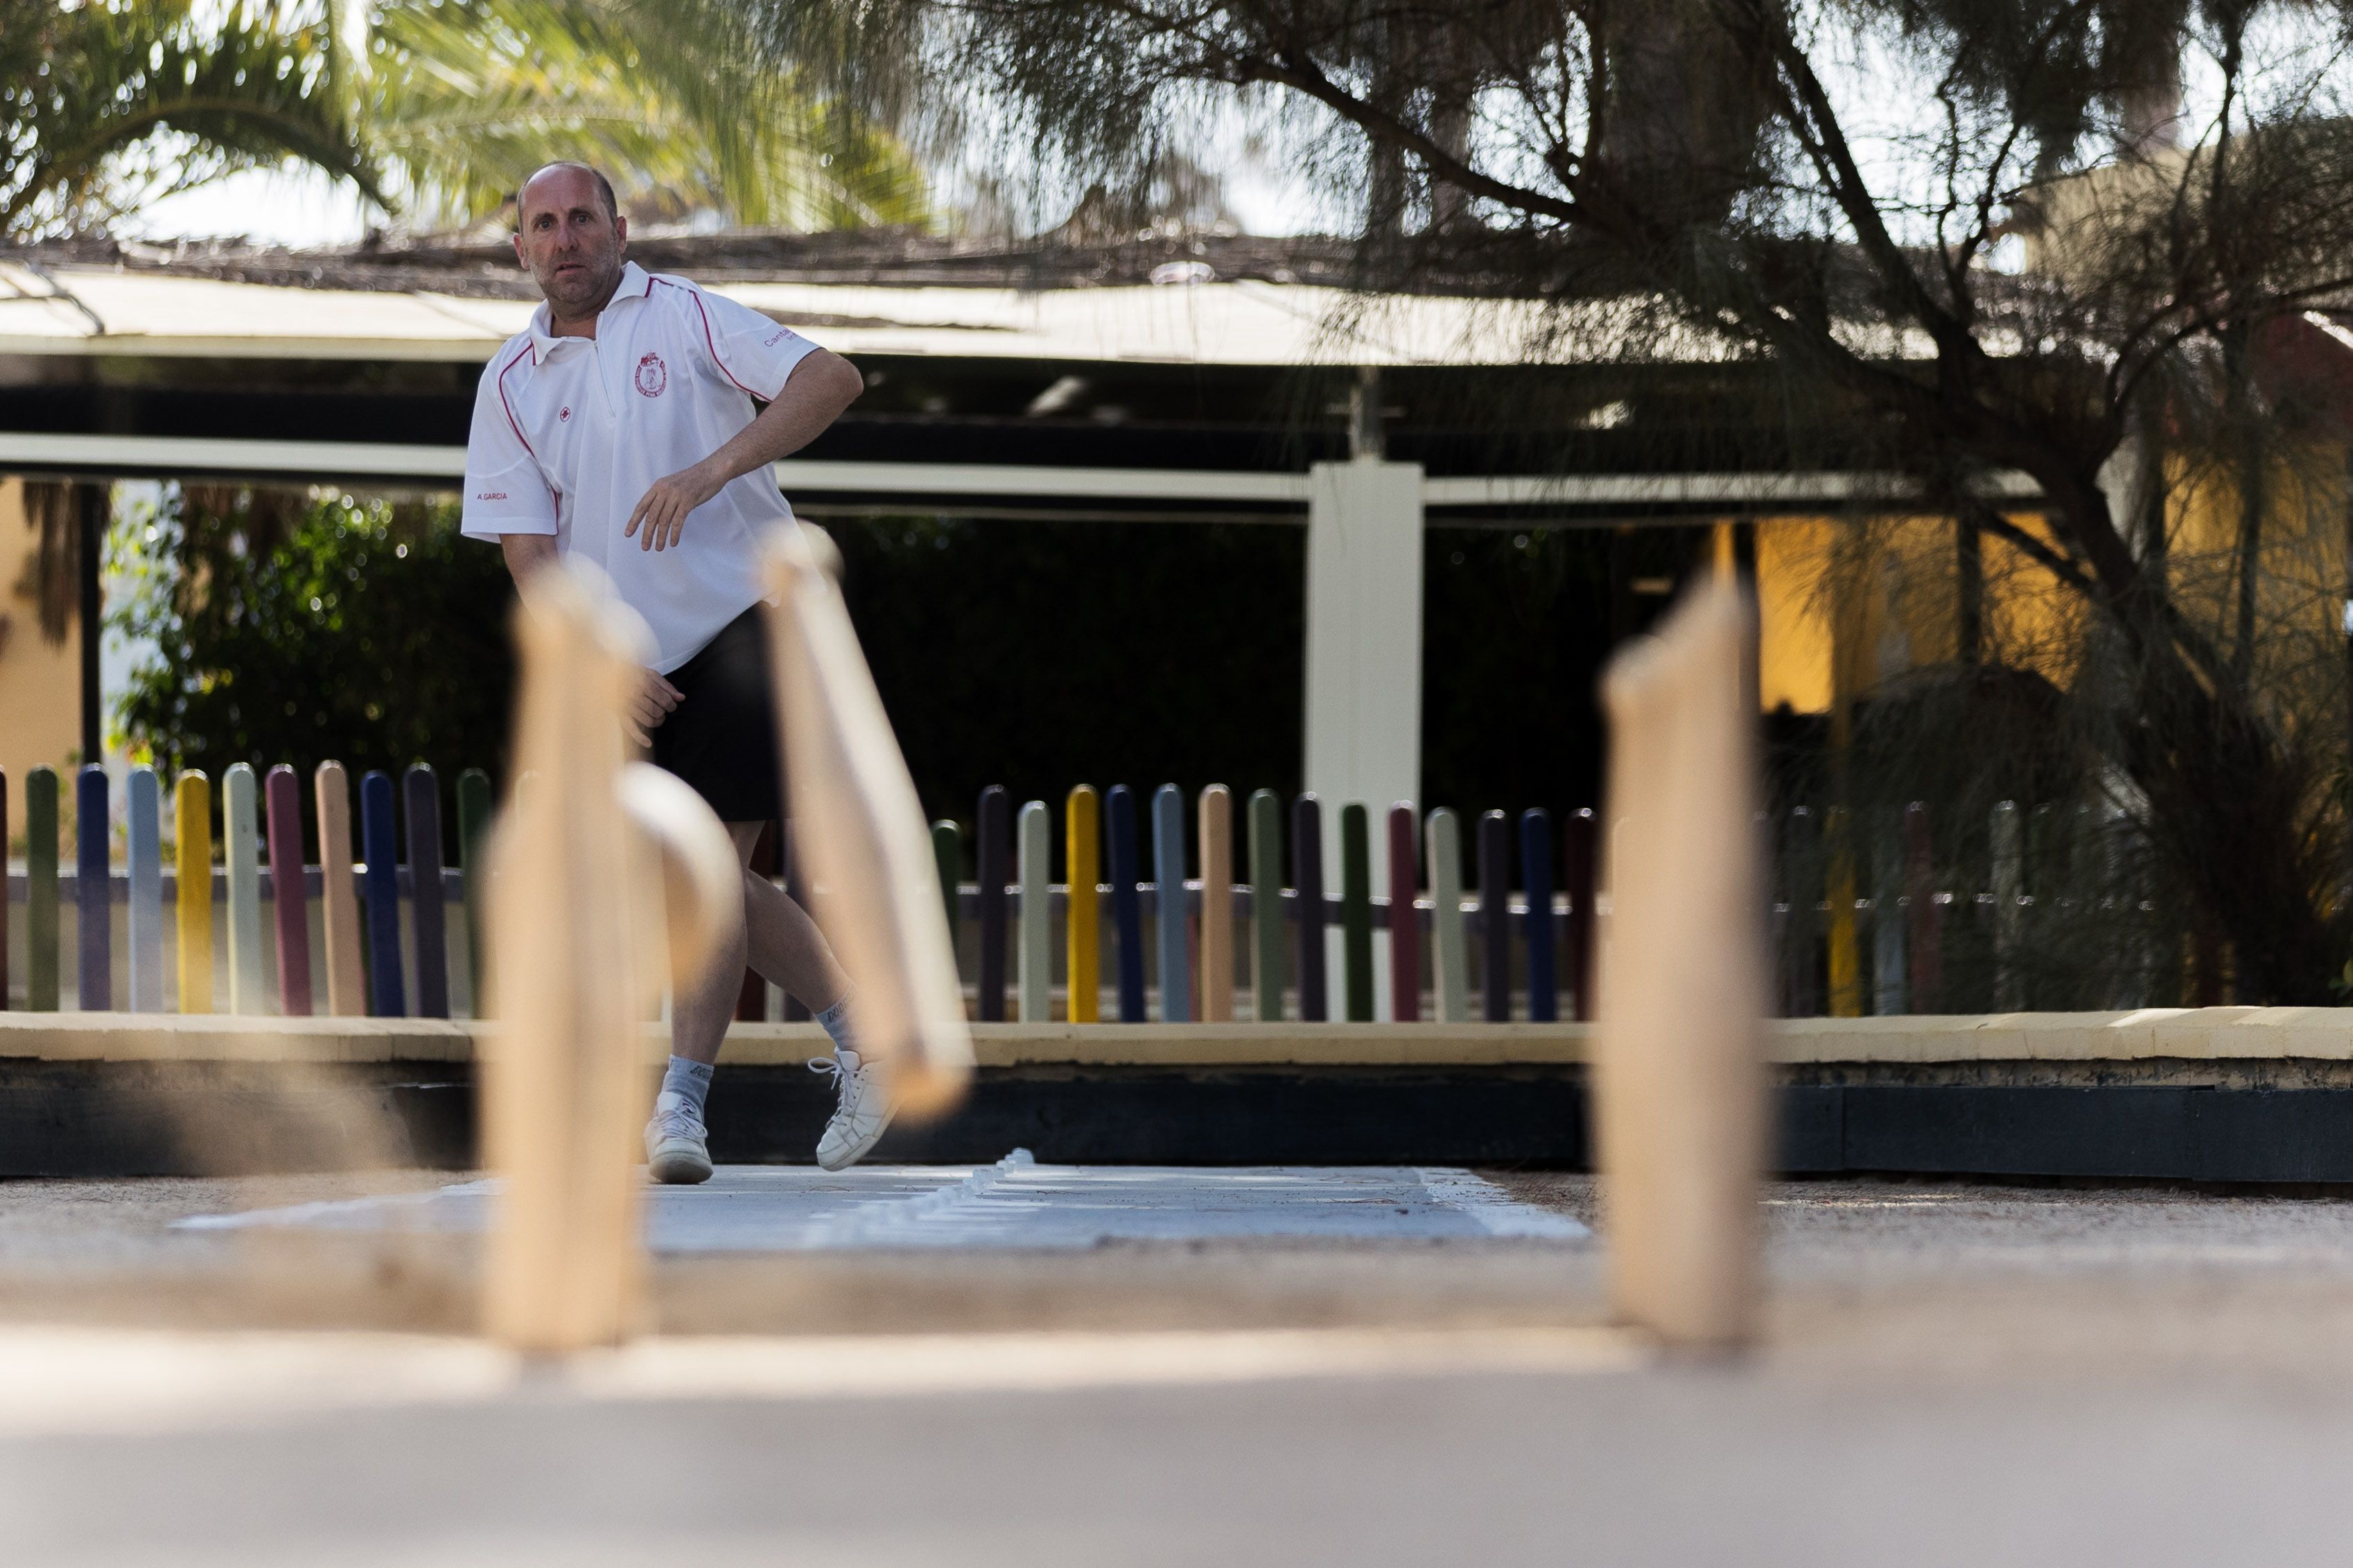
(722, 737)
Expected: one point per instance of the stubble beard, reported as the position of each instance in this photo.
(574, 295)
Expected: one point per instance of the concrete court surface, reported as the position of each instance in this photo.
(1954, 1375)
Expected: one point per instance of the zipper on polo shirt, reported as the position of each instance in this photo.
(603, 391)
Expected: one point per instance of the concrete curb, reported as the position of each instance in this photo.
(2217, 1034)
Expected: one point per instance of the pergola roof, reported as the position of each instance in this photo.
(85, 310)
(1163, 371)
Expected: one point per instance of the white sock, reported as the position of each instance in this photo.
(836, 1020)
(689, 1080)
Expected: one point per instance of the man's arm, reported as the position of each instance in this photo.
(820, 388)
(526, 553)
(529, 552)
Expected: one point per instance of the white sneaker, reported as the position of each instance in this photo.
(676, 1152)
(859, 1117)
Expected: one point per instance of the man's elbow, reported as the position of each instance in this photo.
(527, 552)
(843, 380)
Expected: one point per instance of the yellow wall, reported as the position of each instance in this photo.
(2303, 563)
(1793, 631)
(40, 682)
(2032, 620)
(1845, 604)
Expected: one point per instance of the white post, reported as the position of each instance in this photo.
(146, 915)
(1033, 849)
(241, 834)
(1364, 664)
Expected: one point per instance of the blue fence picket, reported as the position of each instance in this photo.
(41, 921)
(1128, 911)
(92, 888)
(1579, 834)
(1535, 876)
(425, 911)
(380, 844)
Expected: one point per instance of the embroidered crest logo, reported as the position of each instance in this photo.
(652, 375)
(563, 414)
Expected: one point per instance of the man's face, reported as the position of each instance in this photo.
(571, 245)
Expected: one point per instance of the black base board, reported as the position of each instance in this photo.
(127, 1119)
(2127, 1131)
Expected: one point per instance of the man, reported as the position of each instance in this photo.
(620, 428)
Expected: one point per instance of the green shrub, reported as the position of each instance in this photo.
(293, 629)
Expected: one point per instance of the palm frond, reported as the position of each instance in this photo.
(467, 97)
(101, 107)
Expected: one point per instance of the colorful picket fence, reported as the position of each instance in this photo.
(359, 902)
(1864, 919)
(1187, 940)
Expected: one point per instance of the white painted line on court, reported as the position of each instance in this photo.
(901, 1220)
(383, 1212)
(1015, 1205)
(1497, 1212)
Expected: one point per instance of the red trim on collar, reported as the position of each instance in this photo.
(621, 291)
(512, 423)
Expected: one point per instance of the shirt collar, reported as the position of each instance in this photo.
(635, 284)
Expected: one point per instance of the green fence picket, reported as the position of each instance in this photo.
(1266, 903)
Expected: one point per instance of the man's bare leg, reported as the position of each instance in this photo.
(784, 945)
(778, 942)
(677, 1146)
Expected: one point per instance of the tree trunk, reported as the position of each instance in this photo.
(1689, 97)
(2227, 808)
(2229, 797)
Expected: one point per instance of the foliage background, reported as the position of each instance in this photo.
(292, 629)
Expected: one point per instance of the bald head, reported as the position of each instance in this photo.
(574, 171)
(570, 233)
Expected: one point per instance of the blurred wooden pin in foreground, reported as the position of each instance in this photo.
(866, 842)
(1681, 1111)
(583, 866)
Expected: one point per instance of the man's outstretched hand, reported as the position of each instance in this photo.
(653, 704)
(816, 391)
(661, 516)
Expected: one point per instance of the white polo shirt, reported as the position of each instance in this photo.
(569, 433)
